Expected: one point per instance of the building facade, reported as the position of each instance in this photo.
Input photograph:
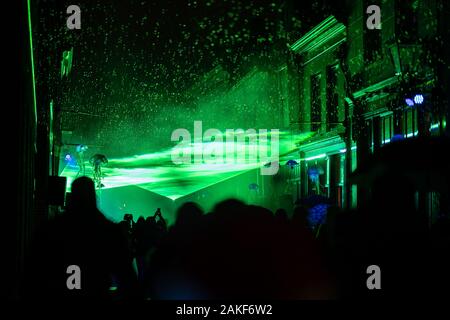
(396, 79)
(361, 88)
(321, 110)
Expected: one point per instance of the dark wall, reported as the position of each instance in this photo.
(24, 140)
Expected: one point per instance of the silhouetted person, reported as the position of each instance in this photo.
(188, 215)
(281, 216)
(85, 238)
(300, 217)
(388, 232)
(237, 251)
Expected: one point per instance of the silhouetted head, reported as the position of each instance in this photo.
(281, 215)
(140, 220)
(128, 217)
(150, 220)
(188, 213)
(300, 216)
(83, 196)
(258, 212)
(230, 207)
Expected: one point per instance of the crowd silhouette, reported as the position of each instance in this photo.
(243, 251)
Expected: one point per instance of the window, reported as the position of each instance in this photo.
(316, 103)
(371, 38)
(332, 97)
(410, 123)
(387, 129)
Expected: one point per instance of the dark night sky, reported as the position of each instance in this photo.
(131, 58)
(171, 43)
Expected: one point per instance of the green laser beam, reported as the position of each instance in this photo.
(32, 64)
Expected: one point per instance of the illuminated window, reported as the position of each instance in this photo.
(387, 129)
(410, 123)
(332, 97)
(316, 102)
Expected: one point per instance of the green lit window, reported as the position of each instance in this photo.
(316, 103)
(387, 127)
(354, 159)
(332, 97)
(410, 123)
